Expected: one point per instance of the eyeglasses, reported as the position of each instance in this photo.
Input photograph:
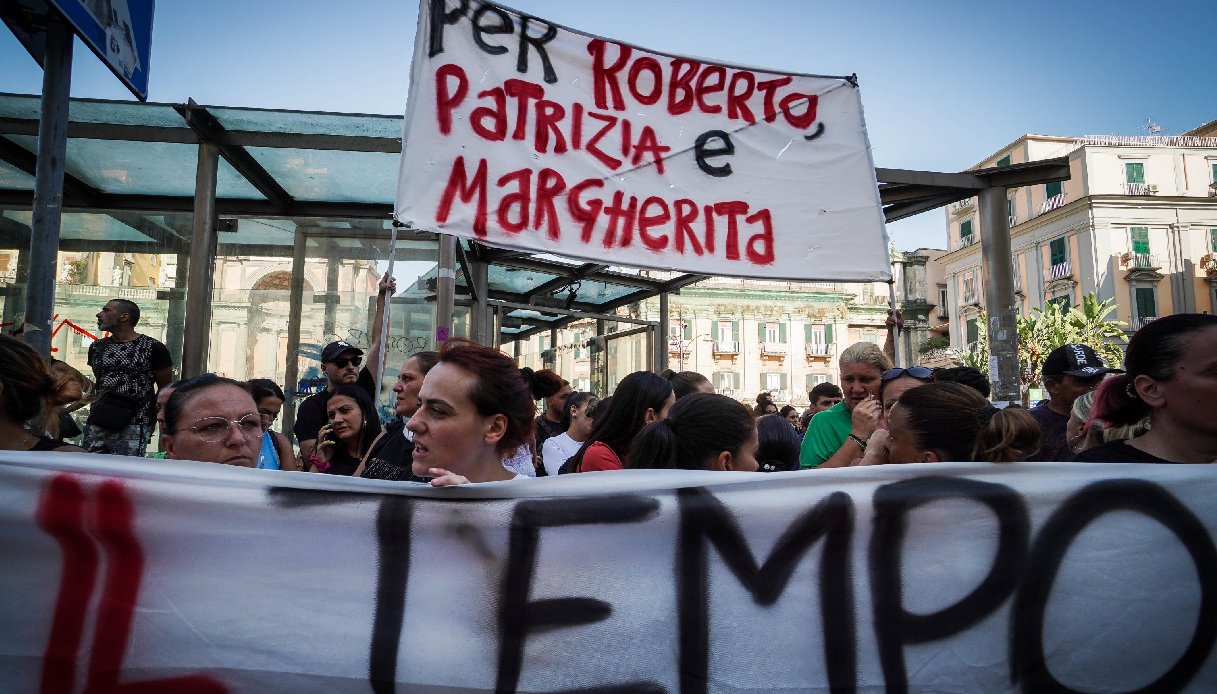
(215, 429)
(342, 362)
(920, 373)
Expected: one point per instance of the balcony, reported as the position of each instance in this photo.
(964, 242)
(1052, 203)
(774, 349)
(1061, 271)
(677, 346)
(819, 350)
(1140, 261)
(1208, 263)
(726, 347)
(1140, 188)
(729, 392)
(778, 395)
(970, 298)
(943, 312)
(1142, 321)
(962, 206)
(1018, 282)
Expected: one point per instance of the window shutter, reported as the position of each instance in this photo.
(1147, 304)
(807, 330)
(1140, 240)
(1213, 235)
(1004, 161)
(1134, 172)
(973, 331)
(1051, 190)
(785, 382)
(688, 325)
(763, 375)
(760, 331)
(965, 229)
(1057, 249)
(782, 333)
(734, 330)
(828, 333)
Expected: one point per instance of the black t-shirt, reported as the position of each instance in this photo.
(342, 463)
(311, 415)
(1053, 446)
(1117, 452)
(390, 458)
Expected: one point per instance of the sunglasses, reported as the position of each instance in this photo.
(343, 362)
(920, 373)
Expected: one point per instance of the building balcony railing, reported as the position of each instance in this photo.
(964, 242)
(1061, 271)
(1052, 203)
(1018, 282)
(962, 205)
(1142, 321)
(970, 298)
(816, 349)
(1140, 261)
(726, 347)
(774, 349)
(943, 312)
(678, 346)
(1140, 188)
(729, 392)
(1208, 263)
(777, 395)
(1011, 220)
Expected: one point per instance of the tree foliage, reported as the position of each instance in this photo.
(1052, 326)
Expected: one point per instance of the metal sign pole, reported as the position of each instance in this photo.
(384, 318)
(48, 185)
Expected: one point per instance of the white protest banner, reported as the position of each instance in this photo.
(531, 136)
(934, 577)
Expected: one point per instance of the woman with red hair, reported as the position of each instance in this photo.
(475, 411)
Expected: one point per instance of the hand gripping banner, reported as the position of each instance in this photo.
(149, 575)
(531, 136)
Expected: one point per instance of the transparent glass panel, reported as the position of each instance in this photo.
(125, 113)
(307, 122)
(513, 280)
(318, 175)
(624, 356)
(12, 178)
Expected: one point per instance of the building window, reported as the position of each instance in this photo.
(724, 381)
(726, 331)
(965, 230)
(1140, 240)
(1004, 161)
(816, 335)
(969, 283)
(1010, 208)
(972, 330)
(1213, 238)
(1051, 190)
(868, 293)
(1147, 302)
(773, 381)
(1134, 172)
(871, 336)
(814, 380)
(772, 333)
(1062, 301)
(1059, 251)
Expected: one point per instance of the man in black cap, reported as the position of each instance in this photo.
(1070, 371)
(340, 363)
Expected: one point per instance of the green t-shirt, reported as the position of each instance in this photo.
(825, 435)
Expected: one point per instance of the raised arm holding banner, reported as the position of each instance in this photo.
(526, 135)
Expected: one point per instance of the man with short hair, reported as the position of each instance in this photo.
(340, 363)
(839, 435)
(129, 368)
(1070, 371)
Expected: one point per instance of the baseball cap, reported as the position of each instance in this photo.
(1075, 360)
(333, 349)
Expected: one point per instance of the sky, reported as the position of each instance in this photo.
(944, 84)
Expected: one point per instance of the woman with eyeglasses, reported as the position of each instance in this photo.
(349, 433)
(276, 452)
(214, 420)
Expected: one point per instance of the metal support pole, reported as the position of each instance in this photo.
(329, 323)
(384, 318)
(14, 300)
(175, 317)
(295, 307)
(553, 347)
(197, 336)
(1000, 302)
(445, 288)
(48, 185)
(661, 337)
(895, 314)
(479, 317)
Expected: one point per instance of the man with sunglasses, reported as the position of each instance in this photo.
(340, 362)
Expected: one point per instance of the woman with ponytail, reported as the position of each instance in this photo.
(703, 431)
(28, 391)
(778, 443)
(949, 422)
(1171, 377)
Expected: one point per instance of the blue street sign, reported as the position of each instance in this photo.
(117, 31)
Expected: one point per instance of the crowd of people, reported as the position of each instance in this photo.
(466, 413)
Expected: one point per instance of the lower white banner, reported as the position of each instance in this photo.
(148, 575)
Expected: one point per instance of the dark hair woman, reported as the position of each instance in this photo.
(352, 427)
(703, 431)
(778, 444)
(26, 390)
(475, 410)
(577, 426)
(950, 422)
(640, 398)
(687, 382)
(276, 452)
(1171, 377)
(389, 458)
(212, 419)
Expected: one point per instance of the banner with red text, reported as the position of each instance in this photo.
(179, 576)
(532, 136)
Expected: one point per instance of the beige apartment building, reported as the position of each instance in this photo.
(1136, 222)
